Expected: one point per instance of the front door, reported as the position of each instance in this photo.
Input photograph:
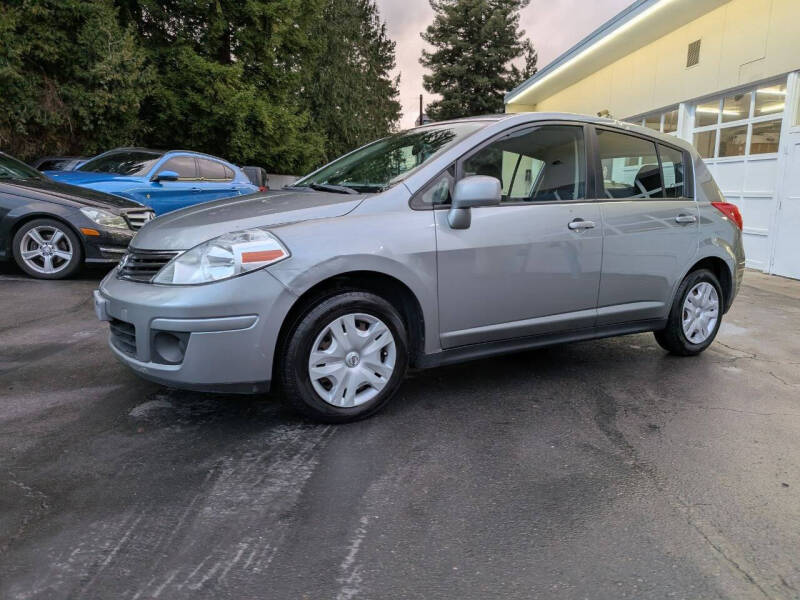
(166, 196)
(786, 259)
(531, 265)
(650, 226)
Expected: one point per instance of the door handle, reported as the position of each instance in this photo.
(686, 219)
(580, 224)
(195, 190)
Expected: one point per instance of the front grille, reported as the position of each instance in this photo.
(136, 219)
(142, 265)
(123, 336)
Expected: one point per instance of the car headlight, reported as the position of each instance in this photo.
(223, 257)
(105, 218)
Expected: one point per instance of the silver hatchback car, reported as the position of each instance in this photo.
(448, 242)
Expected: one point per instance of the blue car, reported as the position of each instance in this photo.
(164, 181)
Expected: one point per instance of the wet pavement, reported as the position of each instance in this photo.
(602, 469)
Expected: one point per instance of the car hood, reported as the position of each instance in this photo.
(90, 177)
(188, 227)
(65, 195)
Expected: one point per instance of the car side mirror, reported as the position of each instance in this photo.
(472, 192)
(167, 176)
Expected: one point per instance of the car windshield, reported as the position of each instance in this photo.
(127, 162)
(380, 164)
(11, 168)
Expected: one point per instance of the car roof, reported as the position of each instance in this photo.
(164, 152)
(531, 117)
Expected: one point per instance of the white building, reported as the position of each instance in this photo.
(724, 74)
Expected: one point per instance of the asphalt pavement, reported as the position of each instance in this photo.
(603, 469)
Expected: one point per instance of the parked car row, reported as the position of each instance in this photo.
(87, 210)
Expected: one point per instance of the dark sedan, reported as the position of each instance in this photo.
(51, 228)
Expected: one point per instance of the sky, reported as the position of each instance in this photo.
(552, 25)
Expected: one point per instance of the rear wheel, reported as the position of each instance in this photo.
(47, 249)
(695, 316)
(345, 358)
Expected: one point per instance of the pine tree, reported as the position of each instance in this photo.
(72, 79)
(474, 45)
(350, 91)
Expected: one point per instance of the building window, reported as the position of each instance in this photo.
(740, 124)
(666, 122)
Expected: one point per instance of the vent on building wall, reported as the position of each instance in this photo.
(693, 54)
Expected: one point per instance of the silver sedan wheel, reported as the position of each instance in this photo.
(700, 312)
(352, 360)
(46, 249)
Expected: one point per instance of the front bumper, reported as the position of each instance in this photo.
(227, 331)
(109, 247)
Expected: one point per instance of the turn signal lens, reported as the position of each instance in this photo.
(731, 211)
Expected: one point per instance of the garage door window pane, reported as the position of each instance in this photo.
(653, 122)
(630, 166)
(736, 108)
(671, 121)
(706, 114)
(184, 166)
(672, 166)
(545, 164)
(770, 100)
(766, 137)
(732, 141)
(705, 142)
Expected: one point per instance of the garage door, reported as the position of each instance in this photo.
(786, 260)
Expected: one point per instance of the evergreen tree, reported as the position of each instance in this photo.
(474, 45)
(228, 75)
(350, 90)
(71, 78)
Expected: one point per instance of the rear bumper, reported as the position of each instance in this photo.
(218, 337)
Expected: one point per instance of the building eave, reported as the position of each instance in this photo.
(637, 25)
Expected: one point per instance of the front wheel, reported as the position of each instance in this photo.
(695, 316)
(345, 358)
(47, 249)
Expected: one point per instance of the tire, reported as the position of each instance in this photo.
(35, 253)
(701, 331)
(349, 360)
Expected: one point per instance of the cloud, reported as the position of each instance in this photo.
(552, 25)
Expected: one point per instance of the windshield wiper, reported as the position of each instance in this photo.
(329, 187)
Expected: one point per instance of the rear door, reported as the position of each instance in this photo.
(650, 229)
(531, 265)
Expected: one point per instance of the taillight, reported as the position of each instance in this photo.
(729, 210)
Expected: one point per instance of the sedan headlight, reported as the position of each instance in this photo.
(105, 218)
(223, 257)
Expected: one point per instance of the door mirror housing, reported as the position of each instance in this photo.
(167, 176)
(472, 192)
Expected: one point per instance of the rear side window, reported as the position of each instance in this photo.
(213, 171)
(228, 173)
(184, 166)
(630, 166)
(543, 164)
(672, 165)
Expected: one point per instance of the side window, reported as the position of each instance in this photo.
(672, 165)
(228, 174)
(184, 166)
(543, 164)
(438, 191)
(630, 166)
(211, 170)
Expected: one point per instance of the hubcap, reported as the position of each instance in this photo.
(352, 360)
(700, 312)
(45, 249)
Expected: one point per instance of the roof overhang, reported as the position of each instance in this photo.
(642, 22)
